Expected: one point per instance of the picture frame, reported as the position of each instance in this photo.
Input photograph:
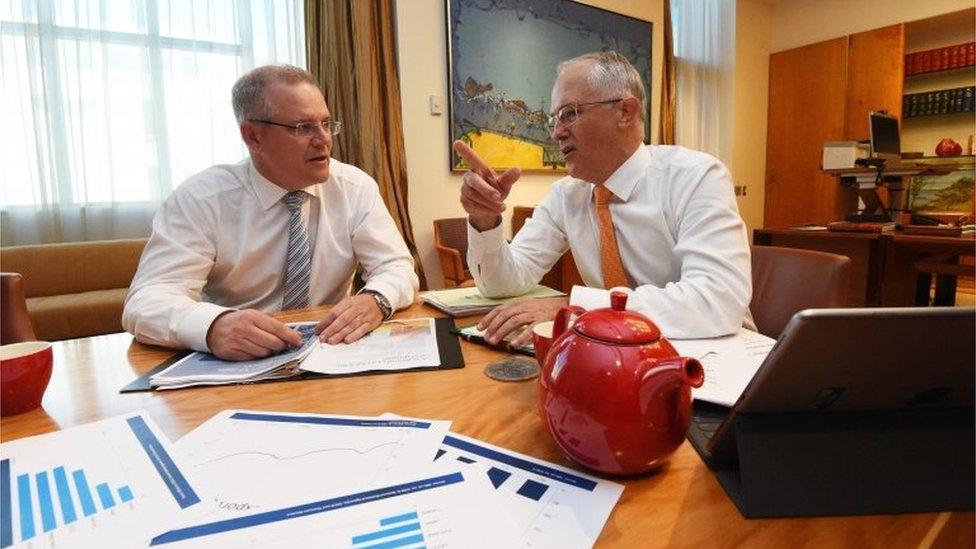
(502, 58)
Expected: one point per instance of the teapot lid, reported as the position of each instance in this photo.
(616, 324)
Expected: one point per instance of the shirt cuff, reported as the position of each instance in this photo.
(193, 328)
(484, 242)
(395, 298)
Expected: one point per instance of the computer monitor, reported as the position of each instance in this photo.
(885, 141)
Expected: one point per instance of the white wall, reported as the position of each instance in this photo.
(422, 47)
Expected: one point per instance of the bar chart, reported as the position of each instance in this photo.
(401, 530)
(554, 506)
(49, 499)
(108, 483)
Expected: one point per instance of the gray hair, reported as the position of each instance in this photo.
(247, 95)
(612, 74)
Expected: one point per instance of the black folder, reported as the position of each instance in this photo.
(447, 344)
(854, 411)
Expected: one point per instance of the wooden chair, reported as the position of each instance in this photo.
(451, 241)
(15, 324)
(788, 280)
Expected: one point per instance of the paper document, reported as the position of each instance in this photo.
(251, 461)
(552, 505)
(112, 483)
(730, 362)
(469, 301)
(395, 345)
(442, 510)
(207, 369)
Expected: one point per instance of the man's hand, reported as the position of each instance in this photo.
(483, 192)
(249, 334)
(350, 319)
(524, 314)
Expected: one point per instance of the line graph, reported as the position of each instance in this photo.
(254, 460)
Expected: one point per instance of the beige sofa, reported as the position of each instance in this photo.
(75, 289)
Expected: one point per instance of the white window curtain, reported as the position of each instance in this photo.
(704, 56)
(109, 104)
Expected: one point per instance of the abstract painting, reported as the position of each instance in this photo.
(502, 57)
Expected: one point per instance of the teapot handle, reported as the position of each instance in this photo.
(562, 319)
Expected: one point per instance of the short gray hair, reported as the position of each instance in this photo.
(247, 95)
(611, 74)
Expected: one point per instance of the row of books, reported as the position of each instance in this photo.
(931, 103)
(941, 59)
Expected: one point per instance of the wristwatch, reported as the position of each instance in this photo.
(381, 302)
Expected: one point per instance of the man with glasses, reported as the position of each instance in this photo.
(283, 229)
(659, 222)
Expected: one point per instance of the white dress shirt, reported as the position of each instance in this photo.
(682, 243)
(220, 240)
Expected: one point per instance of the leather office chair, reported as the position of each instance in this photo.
(788, 280)
(15, 324)
(451, 241)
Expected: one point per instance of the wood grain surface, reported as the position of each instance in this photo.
(681, 505)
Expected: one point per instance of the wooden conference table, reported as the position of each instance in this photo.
(680, 506)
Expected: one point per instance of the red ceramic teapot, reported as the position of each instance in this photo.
(613, 393)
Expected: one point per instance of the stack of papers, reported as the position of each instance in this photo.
(729, 362)
(394, 345)
(276, 479)
(469, 301)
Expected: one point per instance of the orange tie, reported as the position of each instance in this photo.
(613, 269)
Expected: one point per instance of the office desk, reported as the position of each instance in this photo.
(680, 506)
(883, 265)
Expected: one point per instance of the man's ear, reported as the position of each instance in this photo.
(629, 111)
(249, 133)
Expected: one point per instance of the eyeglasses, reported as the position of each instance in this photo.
(305, 129)
(569, 114)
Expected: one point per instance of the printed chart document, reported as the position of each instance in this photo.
(395, 345)
(729, 362)
(207, 369)
(446, 510)
(111, 483)
(252, 461)
(552, 505)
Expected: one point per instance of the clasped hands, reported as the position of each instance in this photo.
(250, 334)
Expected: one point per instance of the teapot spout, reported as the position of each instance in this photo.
(669, 372)
(665, 398)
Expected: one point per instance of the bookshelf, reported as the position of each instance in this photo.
(939, 82)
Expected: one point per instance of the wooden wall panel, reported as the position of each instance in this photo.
(807, 97)
(875, 77)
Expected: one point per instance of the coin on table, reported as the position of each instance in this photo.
(512, 369)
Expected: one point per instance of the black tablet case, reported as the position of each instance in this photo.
(447, 344)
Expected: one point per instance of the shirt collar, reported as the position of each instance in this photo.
(622, 182)
(270, 194)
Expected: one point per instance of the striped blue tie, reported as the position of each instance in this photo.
(298, 265)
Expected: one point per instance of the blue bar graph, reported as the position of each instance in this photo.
(6, 523)
(26, 511)
(105, 495)
(125, 494)
(391, 533)
(84, 493)
(399, 542)
(64, 496)
(44, 499)
(399, 518)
